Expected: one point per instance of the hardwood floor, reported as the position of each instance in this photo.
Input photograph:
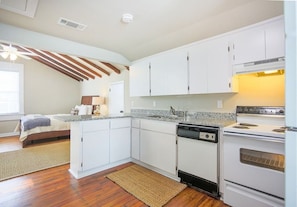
(57, 187)
(10, 144)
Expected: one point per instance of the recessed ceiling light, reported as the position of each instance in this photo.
(127, 18)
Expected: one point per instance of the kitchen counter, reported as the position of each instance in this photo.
(189, 120)
(75, 118)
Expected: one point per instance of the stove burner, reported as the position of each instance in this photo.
(281, 130)
(247, 124)
(244, 125)
(241, 127)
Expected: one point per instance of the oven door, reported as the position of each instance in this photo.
(255, 162)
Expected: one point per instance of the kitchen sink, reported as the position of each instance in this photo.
(163, 116)
(155, 116)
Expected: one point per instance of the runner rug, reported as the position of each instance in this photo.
(153, 189)
(32, 159)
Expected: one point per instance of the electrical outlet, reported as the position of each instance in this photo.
(219, 104)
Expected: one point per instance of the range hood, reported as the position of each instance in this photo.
(260, 66)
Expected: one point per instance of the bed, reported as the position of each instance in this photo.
(49, 129)
(32, 131)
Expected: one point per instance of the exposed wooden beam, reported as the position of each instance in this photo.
(111, 67)
(95, 66)
(45, 62)
(56, 57)
(49, 64)
(57, 63)
(78, 63)
(78, 66)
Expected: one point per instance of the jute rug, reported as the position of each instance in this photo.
(153, 189)
(32, 159)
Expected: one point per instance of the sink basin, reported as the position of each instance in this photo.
(163, 116)
(155, 116)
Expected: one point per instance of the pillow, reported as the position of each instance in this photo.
(82, 110)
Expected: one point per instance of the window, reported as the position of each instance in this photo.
(11, 88)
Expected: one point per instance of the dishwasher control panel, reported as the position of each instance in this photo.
(207, 136)
(198, 132)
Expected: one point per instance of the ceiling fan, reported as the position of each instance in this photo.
(13, 53)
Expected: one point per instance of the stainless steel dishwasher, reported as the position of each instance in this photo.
(198, 151)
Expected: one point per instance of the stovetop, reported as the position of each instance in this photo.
(259, 121)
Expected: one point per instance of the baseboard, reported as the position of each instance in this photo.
(9, 134)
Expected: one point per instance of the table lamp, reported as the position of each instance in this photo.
(97, 101)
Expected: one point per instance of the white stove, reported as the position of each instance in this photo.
(261, 121)
(254, 157)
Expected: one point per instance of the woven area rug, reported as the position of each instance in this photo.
(32, 159)
(153, 189)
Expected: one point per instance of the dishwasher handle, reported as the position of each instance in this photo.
(255, 137)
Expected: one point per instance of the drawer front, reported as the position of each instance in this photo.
(95, 125)
(159, 126)
(120, 123)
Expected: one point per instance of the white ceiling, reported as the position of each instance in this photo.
(158, 25)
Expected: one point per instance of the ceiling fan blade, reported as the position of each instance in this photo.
(5, 47)
(4, 54)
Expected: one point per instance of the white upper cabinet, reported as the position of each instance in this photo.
(265, 41)
(198, 64)
(249, 46)
(140, 78)
(275, 39)
(169, 73)
(219, 67)
(206, 66)
(210, 70)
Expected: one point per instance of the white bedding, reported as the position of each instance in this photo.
(56, 125)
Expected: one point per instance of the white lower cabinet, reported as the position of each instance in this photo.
(99, 144)
(135, 138)
(120, 136)
(158, 145)
(95, 149)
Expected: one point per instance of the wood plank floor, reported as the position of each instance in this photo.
(57, 187)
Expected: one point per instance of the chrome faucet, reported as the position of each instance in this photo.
(172, 111)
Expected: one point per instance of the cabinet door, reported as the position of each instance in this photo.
(198, 64)
(275, 39)
(135, 139)
(140, 78)
(169, 73)
(219, 68)
(159, 150)
(119, 144)
(95, 149)
(249, 46)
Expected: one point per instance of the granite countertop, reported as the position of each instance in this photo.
(73, 118)
(190, 120)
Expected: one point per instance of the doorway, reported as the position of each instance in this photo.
(116, 98)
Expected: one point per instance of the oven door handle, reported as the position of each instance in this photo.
(260, 138)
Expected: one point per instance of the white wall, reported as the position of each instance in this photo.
(100, 86)
(46, 91)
